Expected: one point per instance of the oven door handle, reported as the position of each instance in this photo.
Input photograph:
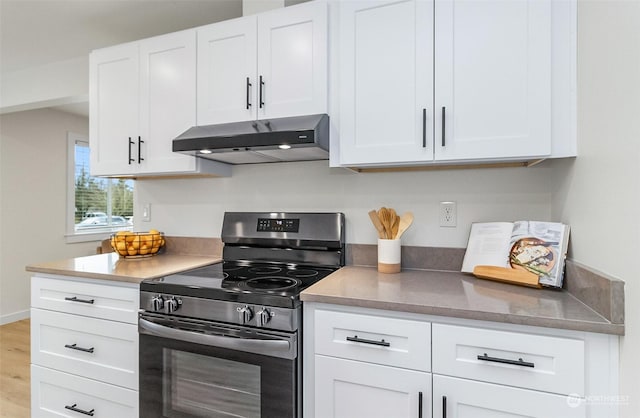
(277, 348)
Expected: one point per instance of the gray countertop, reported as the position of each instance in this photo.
(458, 295)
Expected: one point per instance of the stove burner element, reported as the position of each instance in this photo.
(232, 268)
(302, 273)
(265, 270)
(271, 283)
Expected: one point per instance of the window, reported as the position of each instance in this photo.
(96, 206)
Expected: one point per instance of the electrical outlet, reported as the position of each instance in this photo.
(448, 214)
(146, 212)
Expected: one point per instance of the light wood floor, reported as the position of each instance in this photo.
(14, 370)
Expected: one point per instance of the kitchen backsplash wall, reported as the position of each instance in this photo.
(195, 207)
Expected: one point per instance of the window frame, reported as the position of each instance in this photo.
(71, 235)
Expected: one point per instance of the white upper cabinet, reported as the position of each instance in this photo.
(265, 66)
(114, 115)
(493, 79)
(227, 68)
(455, 81)
(142, 96)
(386, 81)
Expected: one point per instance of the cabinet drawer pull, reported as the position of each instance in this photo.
(82, 411)
(355, 339)
(518, 362)
(75, 299)
(419, 404)
(424, 128)
(75, 347)
(130, 143)
(261, 86)
(444, 407)
(140, 159)
(444, 110)
(248, 93)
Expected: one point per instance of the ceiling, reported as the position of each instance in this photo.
(38, 32)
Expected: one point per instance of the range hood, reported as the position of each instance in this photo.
(299, 138)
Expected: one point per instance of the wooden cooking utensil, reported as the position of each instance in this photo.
(377, 223)
(395, 223)
(405, 222)
(383, 214)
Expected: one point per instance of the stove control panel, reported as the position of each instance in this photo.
(278, 225)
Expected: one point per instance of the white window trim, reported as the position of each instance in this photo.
(71, 236)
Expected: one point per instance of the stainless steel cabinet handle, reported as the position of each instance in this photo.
(75, 299)
(419, 404)
(130, 143)
(140, 159)
(248, 93)
(75, 347)
(81, 411)
(444, 141)
(424, 128)
(261, 87)
(356, 339)
(444, 407)
(518, 362)
(266, 346)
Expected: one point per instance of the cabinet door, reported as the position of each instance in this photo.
(493, 79)
(227, 68)
(292, 61)
(386, 81)
(353, 389)
(167, 100)
(460, 398)
(114, 115)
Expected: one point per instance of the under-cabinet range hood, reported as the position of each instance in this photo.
(299, 138)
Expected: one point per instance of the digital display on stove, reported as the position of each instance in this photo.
(278, 225)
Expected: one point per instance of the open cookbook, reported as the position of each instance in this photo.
(536, 247)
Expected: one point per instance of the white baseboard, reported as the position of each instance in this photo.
(13, 317)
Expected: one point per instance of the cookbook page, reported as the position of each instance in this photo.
(540, 247)
(488, 245)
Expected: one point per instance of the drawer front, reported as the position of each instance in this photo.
(113, 302)
(551, 364)
(57, 394)
(374, 339)
(87, 347)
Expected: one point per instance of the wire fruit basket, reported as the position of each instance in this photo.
(137, 244)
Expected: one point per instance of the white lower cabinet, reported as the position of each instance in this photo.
(361, 362)
(59, 394)
(461, 398)
(84, 347)
(355, 389)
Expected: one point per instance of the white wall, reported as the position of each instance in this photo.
(33, 152)
(61, 82)
(599, 194)
(195, 207)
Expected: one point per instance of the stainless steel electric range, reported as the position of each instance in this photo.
(225, 340)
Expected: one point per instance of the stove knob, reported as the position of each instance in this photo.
(245, 314)
(157, 303)
(172, 305)
(263, 316)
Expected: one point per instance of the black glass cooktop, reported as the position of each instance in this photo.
(269, 284)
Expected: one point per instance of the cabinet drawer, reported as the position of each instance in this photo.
(374, 339)
(88, 347)
(53, 393)
(551, 364)
(114, 302)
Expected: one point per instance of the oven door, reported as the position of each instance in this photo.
(192, 368)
